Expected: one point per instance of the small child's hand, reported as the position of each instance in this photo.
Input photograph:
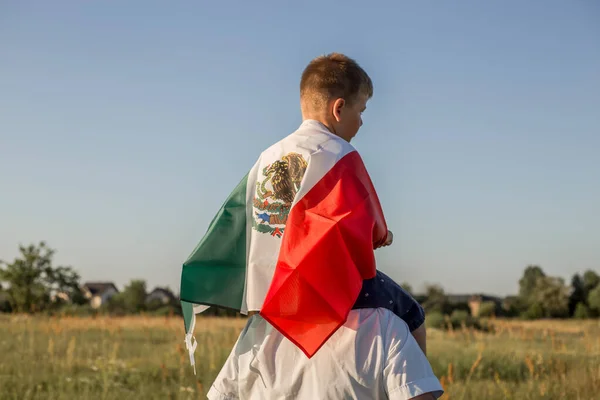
(388, 240)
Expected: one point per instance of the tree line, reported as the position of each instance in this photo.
(32, 283)
(539, 296)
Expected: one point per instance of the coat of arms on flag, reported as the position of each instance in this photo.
(276, 192)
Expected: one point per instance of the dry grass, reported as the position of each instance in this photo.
(145, 357)
(520, 360)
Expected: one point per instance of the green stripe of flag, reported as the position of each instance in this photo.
(215, 273)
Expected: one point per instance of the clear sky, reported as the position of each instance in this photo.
(124, 125)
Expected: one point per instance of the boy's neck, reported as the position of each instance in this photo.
(322, 121)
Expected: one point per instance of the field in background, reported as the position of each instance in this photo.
(145, 357)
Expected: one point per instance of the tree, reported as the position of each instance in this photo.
(134, 296)
(115, 305)
(591, 280)
(513, 306)
(435, 299)
(543, 296)
(594, 300)
(578, 294)
(528, 282)
(553, 296)
(32, 279)
(535, 311)
(581, 311)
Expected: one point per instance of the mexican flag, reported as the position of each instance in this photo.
(294, 240)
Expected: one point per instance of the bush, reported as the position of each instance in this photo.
(451, 307)
(155, 305)
(115, 306)
(487, 309)
(435, 320)
(514, 307)
(459, 318)
(166, 311)
(5, 305)
(581, 311)
(594, 299)
(535, 311)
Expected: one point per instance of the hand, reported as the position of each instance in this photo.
(388, 240)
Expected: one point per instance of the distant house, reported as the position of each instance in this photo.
(162, 295)
(98, 293)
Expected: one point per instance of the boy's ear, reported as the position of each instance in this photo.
(338, 106)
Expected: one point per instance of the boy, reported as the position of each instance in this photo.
(319, 84)
(313, 220)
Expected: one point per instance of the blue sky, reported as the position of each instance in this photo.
(123, 128)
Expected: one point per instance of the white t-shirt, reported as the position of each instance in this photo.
(372, 356)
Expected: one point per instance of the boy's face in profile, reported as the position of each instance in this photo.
(348, 116)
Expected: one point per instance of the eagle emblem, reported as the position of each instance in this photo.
(276, 192)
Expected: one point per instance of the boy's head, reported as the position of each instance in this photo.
(334, 90)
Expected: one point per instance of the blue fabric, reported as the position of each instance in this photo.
(382, 292)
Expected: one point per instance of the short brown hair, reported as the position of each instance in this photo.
(334, 76)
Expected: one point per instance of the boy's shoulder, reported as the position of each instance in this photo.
(309, 139)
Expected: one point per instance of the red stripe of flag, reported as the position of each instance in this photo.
(326, 252)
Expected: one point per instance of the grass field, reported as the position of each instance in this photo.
(145, 358)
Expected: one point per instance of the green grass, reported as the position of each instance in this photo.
(145, 357)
